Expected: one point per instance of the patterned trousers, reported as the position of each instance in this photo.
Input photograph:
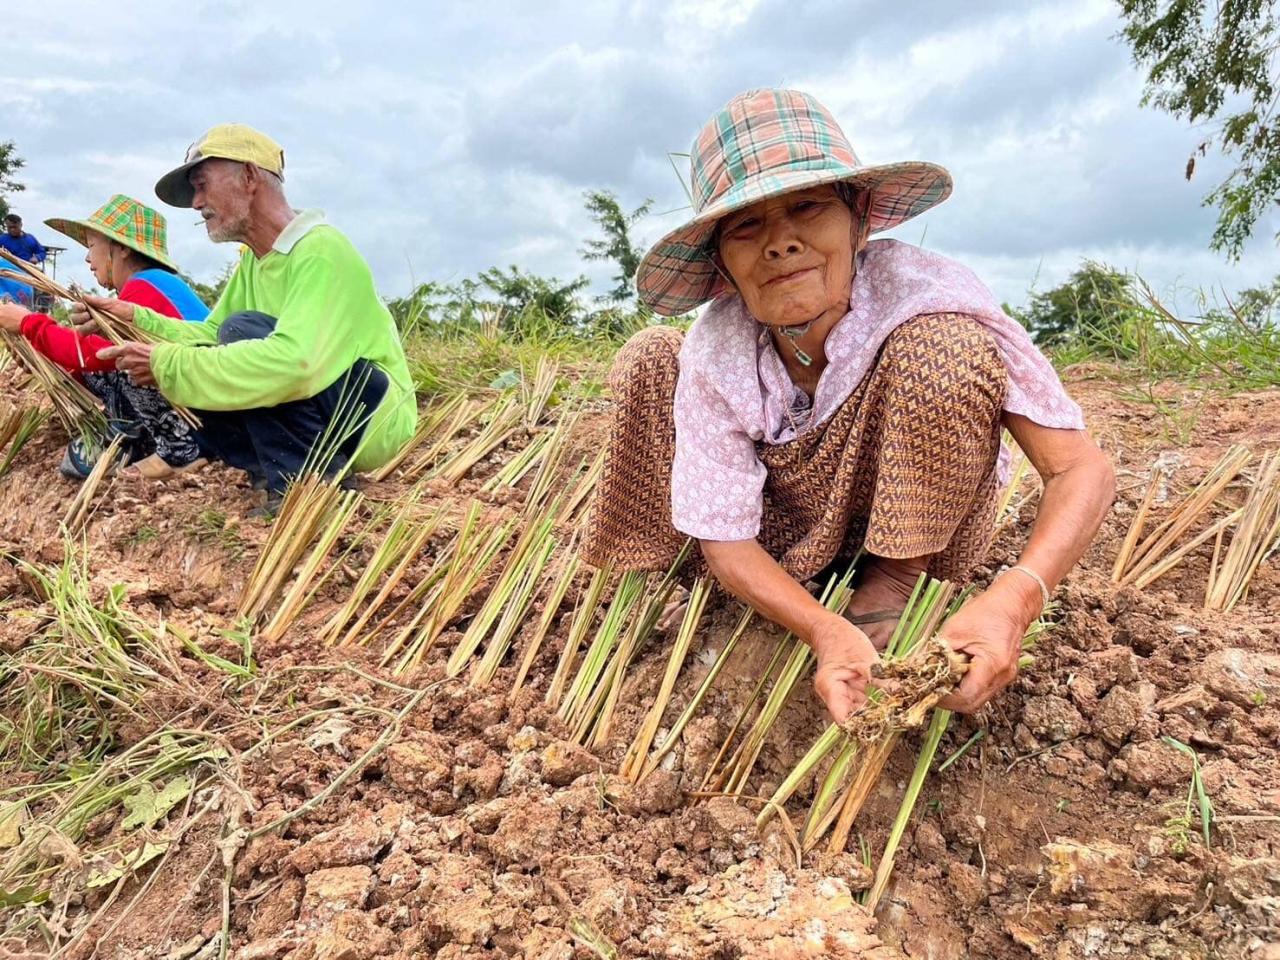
(146, 418)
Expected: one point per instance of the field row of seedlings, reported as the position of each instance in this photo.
(1236, 506)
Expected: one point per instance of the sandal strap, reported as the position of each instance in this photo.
(875, 616)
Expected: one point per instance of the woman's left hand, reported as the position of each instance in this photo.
(11, 317)
(989, 629)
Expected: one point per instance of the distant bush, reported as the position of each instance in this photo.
(1100, 313)
(1092, 313)
(516, 303)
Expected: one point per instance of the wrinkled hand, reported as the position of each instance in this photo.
(11, 316)
(80, 319)
(989, 629)
(133, 359)
(845, 656)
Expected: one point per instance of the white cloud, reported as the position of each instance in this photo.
(447, 138)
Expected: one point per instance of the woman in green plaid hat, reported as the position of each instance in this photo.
(841, 399)
(127, 253)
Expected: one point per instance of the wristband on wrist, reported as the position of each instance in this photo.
(1044, 587)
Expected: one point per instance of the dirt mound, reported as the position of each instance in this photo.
(357, 816)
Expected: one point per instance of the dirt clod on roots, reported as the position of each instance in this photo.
(909, 688)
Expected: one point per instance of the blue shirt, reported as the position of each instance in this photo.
(186, 304)
(25, 247)
(12, 290)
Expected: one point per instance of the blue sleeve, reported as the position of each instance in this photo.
(40, 250)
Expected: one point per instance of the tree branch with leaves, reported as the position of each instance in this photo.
(1214, 64)
(10, 164)
(616, 245)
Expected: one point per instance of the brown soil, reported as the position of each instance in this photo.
(469, 827)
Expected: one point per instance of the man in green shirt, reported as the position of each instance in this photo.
(299, 354)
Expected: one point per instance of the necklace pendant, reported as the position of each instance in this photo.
(804, 358)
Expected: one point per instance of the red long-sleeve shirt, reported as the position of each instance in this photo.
(78, 352)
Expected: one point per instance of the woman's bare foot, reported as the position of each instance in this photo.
(673, 612)
(881, 595)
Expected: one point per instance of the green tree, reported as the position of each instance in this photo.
(10, 163)
(210, 292)
(519, 292)
(616, 245)
(1213, 64)
(1089, 310)
(1256, 306)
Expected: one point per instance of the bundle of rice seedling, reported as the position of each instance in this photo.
(529, 456)
(82, 503)
(584, 615)
(535, 394)
(924, 670)
(75, 407)
(116, 330)
(301, 590)
(629, 592)
(1140, 564)
(910, 664)
(401, 544)
(438, 417)
(17, 426)
(512, 619)
(474, 550)
(633, 762)
(588, 477)
(1256, 537)
(677, 728)
(591, 701)
(549, 463)
(561, 579)
(502, 425)
(780, 651)
(309, 510)
(510, 596)
(798, 657)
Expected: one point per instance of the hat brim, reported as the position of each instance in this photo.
(78, 231)
(678, 274)
(74, 229)
(174, 188)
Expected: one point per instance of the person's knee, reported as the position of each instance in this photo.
(652, 350)
(246, 325)
(956, 357)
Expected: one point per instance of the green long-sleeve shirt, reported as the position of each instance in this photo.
(328, 315)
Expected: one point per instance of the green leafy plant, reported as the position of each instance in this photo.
(1198, 806)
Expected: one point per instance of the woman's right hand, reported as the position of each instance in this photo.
(80, 319)
(845, 655)
(11, 317)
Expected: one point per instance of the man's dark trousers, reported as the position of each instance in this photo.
(274, 444)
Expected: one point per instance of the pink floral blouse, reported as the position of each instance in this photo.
(734, 390)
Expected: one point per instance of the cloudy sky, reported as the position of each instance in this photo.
(446, 138)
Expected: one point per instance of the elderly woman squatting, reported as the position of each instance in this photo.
(839, 395)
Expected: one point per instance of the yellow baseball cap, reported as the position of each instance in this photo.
(227, 141)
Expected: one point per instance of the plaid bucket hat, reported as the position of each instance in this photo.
(762, 144)
(127, 222)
